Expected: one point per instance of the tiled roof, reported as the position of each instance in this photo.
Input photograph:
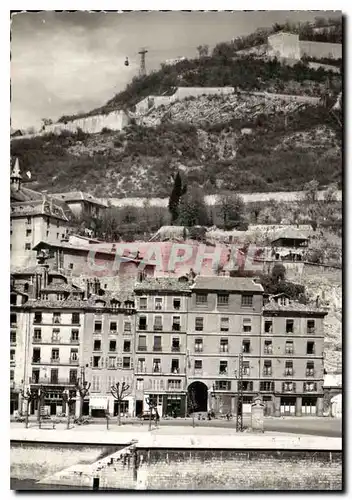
(69, 303)
(108, 297)
(27, 270)
(226, 284)
(24, 194)
(79, 196)
(61, 287)
(293, 306)
(37, 207)
(167, 283)
(291, 234)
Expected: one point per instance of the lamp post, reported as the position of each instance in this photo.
(68, 400)
(28, 396)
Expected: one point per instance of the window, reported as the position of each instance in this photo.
(37, 318)
(245, 367)
(57, 224)
(158, 303)
(289, 368)
(310, 348)
(267, 386)
(222, 385)
(96, 361)
(55, 335)
(142, 323)
(224, 345)
(29, 220)
(97, 326)
(97, 345)
(47, 233)
(156, 366)
(247, 385)
(158, 323)
(198, 365)
(73, 376)
(143, 303)
(13, 319)
(57, 236)
(310, 326)
(198, 345)
(55, 354)
(201, 299)
(12, 375)
(177, 303)
(75, 318)
(35, 376)
(56, 318)
(139, 384)
(36, 355)
(247, 325)
(175, 347)
(70, 266)
(199, 324)
(268, 326)
(127, 327)
(288, 386)
(176, 323)
(113, 326)
(223, 299)
(267, 367)
(27, 246)
(223, 367)
(12, 354)
(74, 355)
(157, 344)
(247, 300)
(142, 343)
(74, 335)
(310, 369)
(246, 346)
(289, 347)
(37, 334)
(174, 384)
(54, 376)
(141, 365)
(126, 363)
(13, 337)
(95, 384)
(224, 324)
(268, 347)
(289, 325)
(310, 387)
(126, 346)
(13, 299)
(112, 362)
(112, 345)
(175, 366)
(28, 232)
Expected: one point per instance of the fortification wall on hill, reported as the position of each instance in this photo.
(321, 49)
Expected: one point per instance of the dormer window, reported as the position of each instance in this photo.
(60, 296)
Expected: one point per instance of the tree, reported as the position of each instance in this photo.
(278, 273)
(120, 392)
(152, 404)
(82, 386)
(331, 193)
(192, 209)
(178, 190)
(203, 50)
(231, 211)
(311, 191)
(28, 396)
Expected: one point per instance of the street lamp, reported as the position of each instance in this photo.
(68, 400)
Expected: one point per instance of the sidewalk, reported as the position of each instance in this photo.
(173, 437)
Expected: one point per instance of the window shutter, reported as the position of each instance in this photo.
(294, 386)
(91, 362)
(283, 386)
(131, 363)
(119, 362)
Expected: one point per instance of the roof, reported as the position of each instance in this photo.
(24, 194)
(109, 297)
(69, 303)
(290, 234)
(162, 284)
(61, 287)
(294, 306)
(79, 196)
(226, 284)
(38, 207)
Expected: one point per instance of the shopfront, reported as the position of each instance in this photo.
(98, 406)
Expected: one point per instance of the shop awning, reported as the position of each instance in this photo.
(98, 403)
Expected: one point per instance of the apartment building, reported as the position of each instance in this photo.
(55, 319)
(292, 357)
(108, 350)
(160, 344)
(224, 320)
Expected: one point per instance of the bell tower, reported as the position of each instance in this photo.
(16, 177)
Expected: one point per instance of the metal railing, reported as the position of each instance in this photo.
(54, 381)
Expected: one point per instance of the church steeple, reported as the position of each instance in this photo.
(16, 177)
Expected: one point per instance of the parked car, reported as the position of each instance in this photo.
(146, 415)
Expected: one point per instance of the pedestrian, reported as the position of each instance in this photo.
(157, 418)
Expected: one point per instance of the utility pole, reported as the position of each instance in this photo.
(142, 70)
(239, 413)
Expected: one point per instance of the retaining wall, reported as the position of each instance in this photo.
(321, 50)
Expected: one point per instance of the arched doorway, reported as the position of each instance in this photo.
(197, 397)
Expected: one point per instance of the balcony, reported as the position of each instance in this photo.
(176, 328)
(175, 371)
(74, 361)
(55, 340)
(310, 373)
(267, 373)
(224, 350)
(157, 348)
(310, 331)
(158, 328)
(288, 372)
(36, 361)
(49, 381)
(74, 341)
(55, 361)
(142, 348)
(268, 351)
(175, 348)
(289, 390)
(37, 321)
(142, 326)
(141, 369)
(36, 340)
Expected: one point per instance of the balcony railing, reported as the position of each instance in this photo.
(142, 327)
(158, 328)
(175, 371)
(268, 351)
(49, 381)
(55, 340)
(74, 341)
(290, 390)
(176, 328)
(267, 372)
(310, 372)
(288, 371)
(142, 348)
(157, 348)
(198, 348)
(36, 340)
(141, 369)
(55, 360)
(35, 361)
(224, 349)
(74, 361)
(175, 348)
(37, 321)
(311, 331)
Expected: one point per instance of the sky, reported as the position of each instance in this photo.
(64, 63)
